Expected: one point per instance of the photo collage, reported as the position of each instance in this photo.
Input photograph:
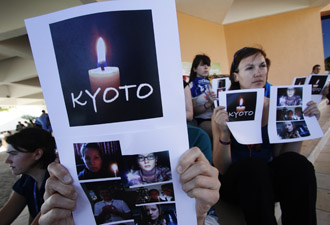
(126, 189)
(290, 121)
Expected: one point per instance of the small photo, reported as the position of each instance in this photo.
(292, 129)
(300, 81)
(289, 113)
(157, 213)
(109, 201)
(97, 160)
(221, 86)
(241, 106)
(290, 96)
(317, 82)
(153, 193)
(145, 169)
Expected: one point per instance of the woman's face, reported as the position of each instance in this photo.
(92, 160)
(20, 162)
(152, 211)
(252, 72)
(290, 92)
(288, 126)
(202, 70)
(147, 162)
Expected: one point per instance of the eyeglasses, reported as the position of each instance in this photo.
(141, 158)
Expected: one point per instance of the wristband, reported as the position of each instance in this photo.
(224, 142)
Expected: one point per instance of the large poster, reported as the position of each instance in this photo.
(116, 103)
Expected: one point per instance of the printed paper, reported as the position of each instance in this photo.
(287, 122)
(116, 104)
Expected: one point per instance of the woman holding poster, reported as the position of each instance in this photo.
(257, 176)
(201, 92)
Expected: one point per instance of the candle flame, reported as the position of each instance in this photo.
(114, 167)
(101, 51)
(241, 101)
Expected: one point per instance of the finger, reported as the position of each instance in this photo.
(58, 201)
(201, 182)
(198, 171)
(57, 217)
(188, 158)
(204, 195)
(59, 171)
(53, 185)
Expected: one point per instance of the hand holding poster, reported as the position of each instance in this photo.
(287, 122)
(116, 104)
(244, 108)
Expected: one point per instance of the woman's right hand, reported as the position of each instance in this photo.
(220, 119)
(60, 197)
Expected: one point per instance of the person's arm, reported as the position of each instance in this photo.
(199, 180)
(60, 197)
(13, 207)
(189, 104)
(199, 109)
(220, 130)
(35, 221)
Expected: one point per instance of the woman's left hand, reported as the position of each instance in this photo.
(312, 110)
(199, 180)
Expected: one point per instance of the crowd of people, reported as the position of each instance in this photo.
(253, 177)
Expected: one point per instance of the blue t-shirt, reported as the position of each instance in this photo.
(261, 151)
(27, 187)
(199, 86)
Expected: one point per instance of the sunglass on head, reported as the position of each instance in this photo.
(141, 158)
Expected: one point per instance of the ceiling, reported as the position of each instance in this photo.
(19, 83)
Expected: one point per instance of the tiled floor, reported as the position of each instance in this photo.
(322, 167)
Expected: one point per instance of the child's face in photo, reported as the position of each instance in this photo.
(147, 162)
(92, 160)
(152, 211)
(288, 126)
(290, 92)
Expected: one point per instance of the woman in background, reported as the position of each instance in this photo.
(201, 92)
(254, 177)
(29, 153)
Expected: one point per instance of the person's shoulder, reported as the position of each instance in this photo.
(23, 183)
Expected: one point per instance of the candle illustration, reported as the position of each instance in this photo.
(316, 84)
(114, 168)
(103, 76)
(241, 107)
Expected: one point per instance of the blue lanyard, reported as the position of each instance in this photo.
(35, 197)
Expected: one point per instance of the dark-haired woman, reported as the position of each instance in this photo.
(201, 92)
(256, 176)
(29, 153)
